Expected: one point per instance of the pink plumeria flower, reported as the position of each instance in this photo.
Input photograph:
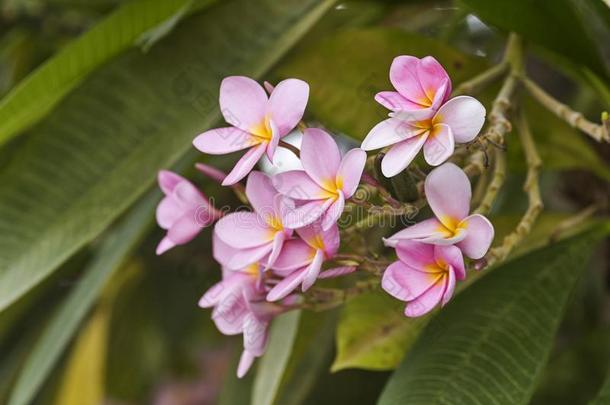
(258, 122)
(448, 193)
(422, 86)
(301, 259)
(242, 238)
(324, 184)
(183, 212)
(239, 307)
(424, 275)
(422, 117)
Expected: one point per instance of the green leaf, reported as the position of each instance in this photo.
(491, 343)
(84, 164)
(362, 70)
(271, 367)
(311, 355)
(603, 397)
(83, 378)
(373, 333)
(555, 25)
(59, 331)
(36, 95)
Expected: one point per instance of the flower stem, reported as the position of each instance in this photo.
(531, 187)
(495, 184)
(499, 123)
(484, 79)
(598, 132)
(291, 148)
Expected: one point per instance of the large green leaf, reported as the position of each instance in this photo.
(555, 25)
(373, 333)
(342, 88)
(131, 23)
(271, 367)
(491, 343)
(61, 328)
(101, 148)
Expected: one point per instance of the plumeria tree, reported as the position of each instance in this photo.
(355, 202)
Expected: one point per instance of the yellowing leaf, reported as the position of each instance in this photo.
(83, 379)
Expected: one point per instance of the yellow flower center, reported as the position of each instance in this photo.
(450, 226)
(263, 129)
(331, 187)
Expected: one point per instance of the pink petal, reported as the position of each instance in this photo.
(479, 235)
(350, 171)
(255, 335)
(389, 132)
(242, 230)
(245, 164)
(283, 207)
(213, 295)
(244, 257)
(276, 248)
(401, 155)
(245, 362)
(392, 100)
(465, 115)
(287, 285)
(243, 102)
(168, 212)
(287, 104)
(404, 78)
(237, 259)
(188, 196)
(337, 272)
(428, 300)
(448, 193)
(432, 77)
(439, 145)
(426, 229)
(168, 180)
(405, 283)
(298, 185)
(417, 255)
(165, 245)
(260, 193)
(275, 140)
(295, 254)
(184, 230)
(414, 116)
(306, 213)
(230, 311)
(224, 140)
(312, 271)
(320, 157)
(317, 238)
(333, 213)
(452, 256)
(441, 95)
(450, 287)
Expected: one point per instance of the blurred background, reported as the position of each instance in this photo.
(133, 96)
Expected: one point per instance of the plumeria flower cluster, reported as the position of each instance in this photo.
(278, 249)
